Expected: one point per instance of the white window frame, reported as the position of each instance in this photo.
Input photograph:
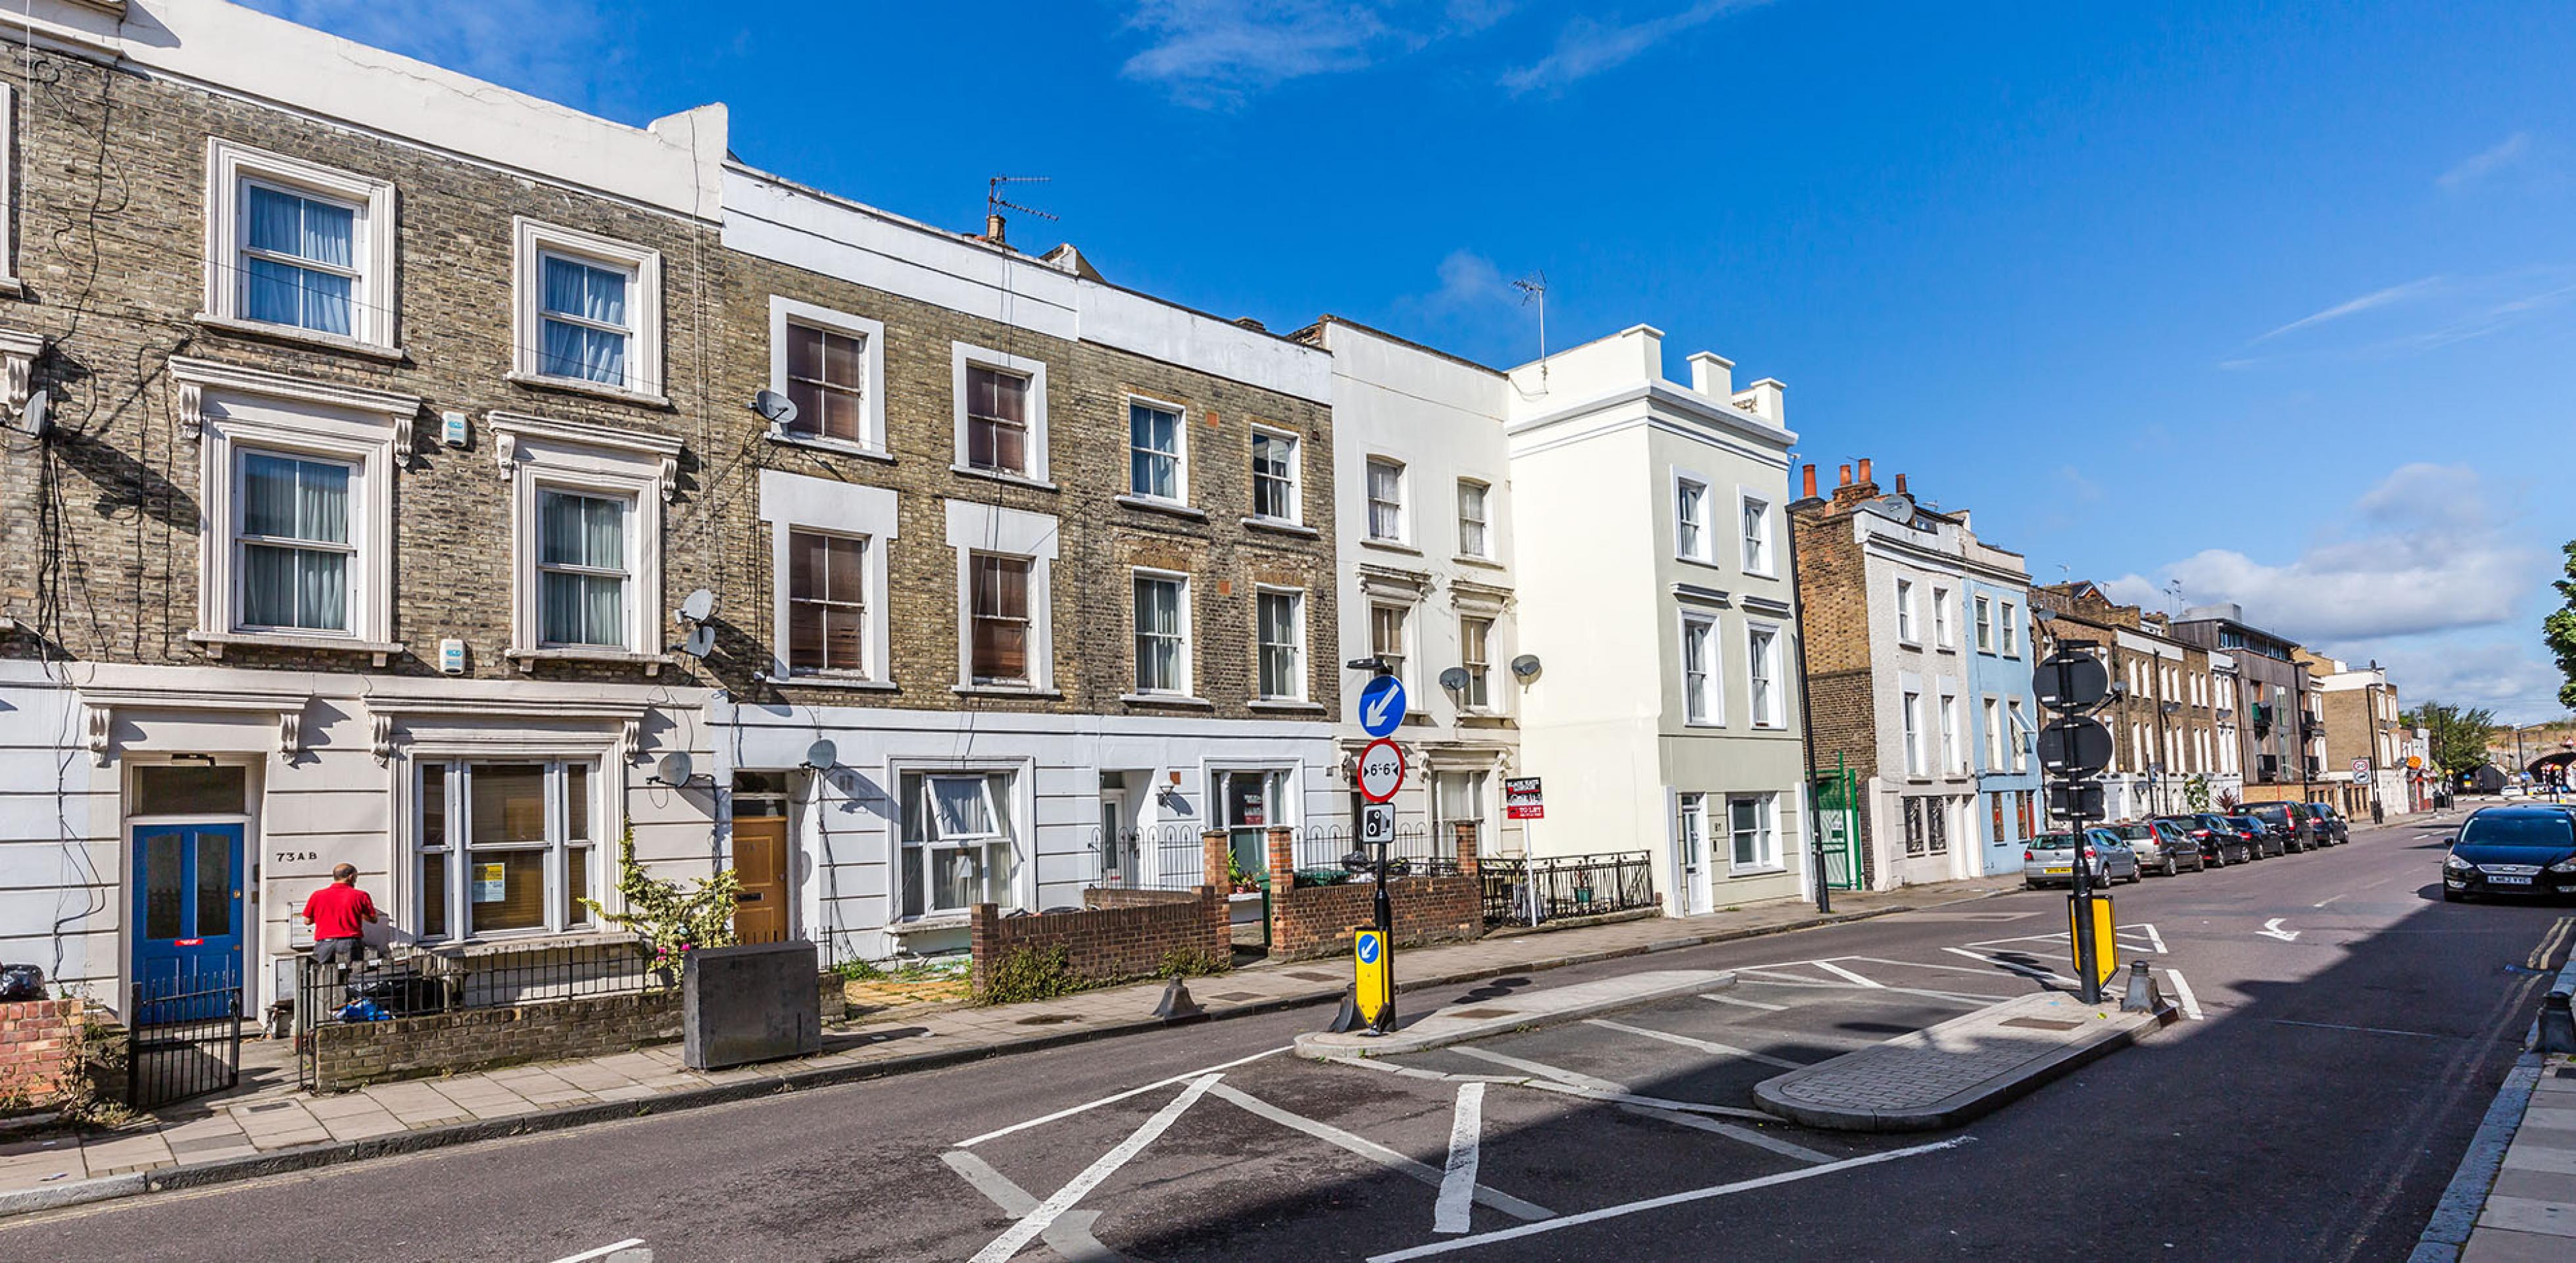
(794, 502)
(1295, 478)
(540, 455)
(1483, 521)
(1985, 607)
(1179, 455)
(1766, 834)
(1015, 815)
(1296, 645)
(2007, 618)
(1908, 629)
(1403, 500)
(1480, 675)
(9, 283)
(784, 312)
(1991, 710)
(237, 530)
(1941, 619)
(1692, 538)
(1410, 659)
(961, 356)
(270, 412)
(604, 819)
(1910, 704)
(975, 528)
(1704, 707)
(1184, 686)
(373, 301)
(1954, 754)
(532, 241)
(1760, 551)
(1762, 664)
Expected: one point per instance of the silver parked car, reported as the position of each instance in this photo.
(2050, 859)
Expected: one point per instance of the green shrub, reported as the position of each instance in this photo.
(1031, 973)
(1191, 962)
(671, 921)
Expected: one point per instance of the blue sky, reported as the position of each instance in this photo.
(2275, 300)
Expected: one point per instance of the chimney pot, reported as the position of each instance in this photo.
(1811, 482)
(1900, 484)
(993, 229)
(1864, 470)
(1847, 479)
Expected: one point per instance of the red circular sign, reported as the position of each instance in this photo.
(1381, 771)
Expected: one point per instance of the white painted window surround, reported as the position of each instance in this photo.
(539, 455)
(963, 355)
(796, 502)
(8, 187)
(1755, 528)
(366, 306)
(1693, 532)
(640, 307)
(786, 312)
(982, 528)
(1702, 672)
(235, 411)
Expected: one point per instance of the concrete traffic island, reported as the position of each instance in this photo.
(1944, 1075)
(1478, 1019)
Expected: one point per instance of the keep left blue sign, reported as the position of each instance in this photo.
(1381, 705)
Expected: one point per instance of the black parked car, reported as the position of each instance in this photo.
(2291, 821)
(2220, 843)
(2260, 841)
(2332, 828)
(2525, 849)
(2178, 846)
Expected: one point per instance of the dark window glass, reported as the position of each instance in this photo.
(214, 885)
(433, 897)
(163, 901)
(190, 791)
(2534, 829)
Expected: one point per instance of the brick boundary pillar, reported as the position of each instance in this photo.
(1214, 851)
(1282, 842)
(1220, 924)
(979, 943)
(1466, 848)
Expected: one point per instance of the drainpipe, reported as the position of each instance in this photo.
(1807, 725)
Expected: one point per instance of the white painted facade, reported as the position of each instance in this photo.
(1432, 569)
(1923, 824)
(1610, 602)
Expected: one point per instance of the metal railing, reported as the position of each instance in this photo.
(1148, 857)
(1533, 890)
(1426, 850)
(182, 1038)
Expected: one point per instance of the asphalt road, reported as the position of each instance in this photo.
(2313, 1111)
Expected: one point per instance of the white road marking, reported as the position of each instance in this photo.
(1838, 971)
(2153, 937)
(1781, 979)
(1723, 1050)
(1043, 1119)
(2015, 966)
(631, 1250)
(1458, 1179)
(2323, 902)
(2182, 992)
(1659, 1203)
(1372, 1150)
(1733, 1132)
(1672, 1111)
(2364, 1030)
(1080, 1186)
(1743, 1003)
(1541, 1069)
(1069, 1236)
(2272, 929)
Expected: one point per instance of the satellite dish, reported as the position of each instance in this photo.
(1526, 666)
(1454, 679)
(822, 755)
(674, 768)
(700, 643)
(776, 408)
(697, 605)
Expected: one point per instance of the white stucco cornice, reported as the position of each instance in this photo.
(1700, 419)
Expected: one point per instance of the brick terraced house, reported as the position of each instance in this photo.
(356, 457)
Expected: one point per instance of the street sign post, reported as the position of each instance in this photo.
(1381, 705)
(2361, 769)
(1377, 824)
(2074, 746)
(1381, 771)
(2071, 681)
(1521, 799)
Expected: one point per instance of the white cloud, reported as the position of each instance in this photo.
(1217, 51)
(2484, 163)
(2420, 315)
(557, 49)
(2506, 676)
(1588, 46)
(2376, 298)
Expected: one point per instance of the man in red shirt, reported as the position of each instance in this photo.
(339, 914)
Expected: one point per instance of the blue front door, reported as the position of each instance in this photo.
(187, 903)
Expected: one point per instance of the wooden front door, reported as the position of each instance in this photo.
(760, 860)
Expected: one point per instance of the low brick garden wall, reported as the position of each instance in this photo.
(1312, 921)
(39, 1051)
(1120, 935)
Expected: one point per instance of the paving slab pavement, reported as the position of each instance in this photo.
(1956, 1070)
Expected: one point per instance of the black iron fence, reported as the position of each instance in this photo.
(1321, 852)
(1147, 857)
(1533, 890)
(182, 1037)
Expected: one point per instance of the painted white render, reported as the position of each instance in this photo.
(1598, 438)
(1914, 561)
(1438, 421)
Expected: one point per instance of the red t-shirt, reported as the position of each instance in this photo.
(338, 911)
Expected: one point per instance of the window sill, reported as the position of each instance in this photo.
(576, 386)
(1285, 706)
(216, 642)
(1486, 719)
(830, 682)
(1004, 690)
(1393, 546)
(529, 658)
(12, 287)
(1003, 476)
(1770, 870)
(1464, 559)
(1156, 504)
(1281, 525)
(1703, 725)
(935, 924)
(1751, 573)
(821, 443)
(1166, 699)
(298, 336)
(1710, 562)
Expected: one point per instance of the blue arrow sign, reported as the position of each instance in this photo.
(1368, 949)
(1381, 705)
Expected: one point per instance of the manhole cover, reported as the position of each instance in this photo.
(1311, 976)
(2041, 1024)
(1239, 996)
(1046, 1019)
(1482, 1013)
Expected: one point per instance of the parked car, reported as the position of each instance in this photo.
(2522, 849)
(2221, 842)
(2049, 860)
(2332, 827)
(2291, 821)
(2185, 847)
(2260, 838)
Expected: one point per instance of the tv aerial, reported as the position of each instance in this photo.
(995, 203)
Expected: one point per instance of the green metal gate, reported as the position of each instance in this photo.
(1838, 825)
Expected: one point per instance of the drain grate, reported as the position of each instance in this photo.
(1483, 1013)
(2041, 1024)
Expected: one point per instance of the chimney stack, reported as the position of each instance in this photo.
(1864, 471)
(1811, 482)
(993, 229)
(1900, 484)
